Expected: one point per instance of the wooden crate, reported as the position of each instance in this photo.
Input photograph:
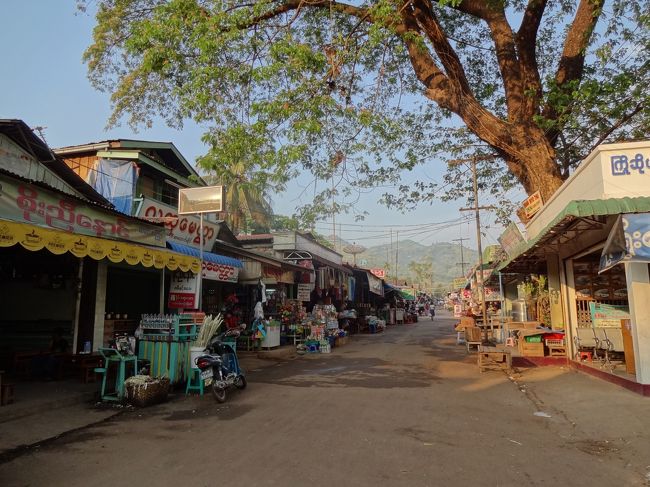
(527, 349)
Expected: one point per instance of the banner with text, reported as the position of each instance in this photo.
(184, 230)
(24, 202)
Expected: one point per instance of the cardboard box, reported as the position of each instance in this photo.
(531, 349)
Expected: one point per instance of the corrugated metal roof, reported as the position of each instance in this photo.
(207, 256)
(582, 209)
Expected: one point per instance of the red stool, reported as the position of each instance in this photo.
(585, 356)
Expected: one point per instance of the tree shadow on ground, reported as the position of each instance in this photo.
(339, 371)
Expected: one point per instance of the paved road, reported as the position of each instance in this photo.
(403, 408)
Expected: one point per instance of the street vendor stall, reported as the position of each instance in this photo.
(165, 341)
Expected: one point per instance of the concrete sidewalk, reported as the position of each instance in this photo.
(44, 411)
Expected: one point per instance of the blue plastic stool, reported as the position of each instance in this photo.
(191, 386)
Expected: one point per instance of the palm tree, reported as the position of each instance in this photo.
(246, 197)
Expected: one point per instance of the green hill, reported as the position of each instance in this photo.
(444, 257)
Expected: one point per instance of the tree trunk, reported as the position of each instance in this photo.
(523, 145)
(531, 158)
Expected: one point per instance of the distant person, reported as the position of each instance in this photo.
(432, 309)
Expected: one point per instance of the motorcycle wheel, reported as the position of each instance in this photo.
(219, 393)
(240, 382)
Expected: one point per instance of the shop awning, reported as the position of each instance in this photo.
(34, 238)
(576, 217)
(333, 265)
(207, 256)
(628, 241)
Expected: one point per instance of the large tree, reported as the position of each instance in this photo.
(359, 92)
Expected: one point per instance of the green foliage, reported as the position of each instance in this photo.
(330, 89)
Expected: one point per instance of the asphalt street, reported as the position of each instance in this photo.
(407, 407)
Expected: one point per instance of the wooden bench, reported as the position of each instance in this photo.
(492, 358)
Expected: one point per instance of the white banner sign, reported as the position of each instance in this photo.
(375, 285)
(184, 230)
(220, 272)
(304, 292)
(183, 291)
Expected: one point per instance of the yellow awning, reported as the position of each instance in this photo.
(34, 238)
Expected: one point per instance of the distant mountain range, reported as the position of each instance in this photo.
(445, 258)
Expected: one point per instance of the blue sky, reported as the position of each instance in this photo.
(44, 83)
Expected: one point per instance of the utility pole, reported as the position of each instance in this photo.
(477, 214)
(462, 259)
(397, 258)
(390, 251)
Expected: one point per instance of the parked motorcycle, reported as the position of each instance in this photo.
(220, 368)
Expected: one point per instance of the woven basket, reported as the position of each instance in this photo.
(148, 394)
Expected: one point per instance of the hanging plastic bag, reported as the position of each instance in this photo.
(258, 311)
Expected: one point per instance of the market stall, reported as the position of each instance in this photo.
(165, 342)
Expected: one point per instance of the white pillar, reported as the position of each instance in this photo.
(638, 288)
(100, 305)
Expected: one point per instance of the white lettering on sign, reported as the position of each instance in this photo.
(184, 230)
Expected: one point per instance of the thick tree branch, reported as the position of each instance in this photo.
(577, 40)
(428, 73)
(571, 65)
(493, 14)
(526, 46)
(428, 23)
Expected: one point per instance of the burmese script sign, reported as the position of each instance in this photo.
(532, 204)
(304, 292)
(23, 202)
(607, 315)
(185, 229)
(220, 272)
(183, 291)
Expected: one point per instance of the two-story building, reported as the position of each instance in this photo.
(58, 235)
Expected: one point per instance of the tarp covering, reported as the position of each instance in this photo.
(207, 256)
(629, 241)
(115, 180)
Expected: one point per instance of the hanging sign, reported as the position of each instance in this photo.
(458, 310)
(185, 229)
(532, 204)
(380, 273)
(220, 272)
(511, 238)
(459, 282)
(183, 291)
(304, 292)
(24, 202)
(375, 285)
(492, 294)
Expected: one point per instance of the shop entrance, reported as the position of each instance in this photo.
(39, 293)
(600, 340)
(130, 292)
